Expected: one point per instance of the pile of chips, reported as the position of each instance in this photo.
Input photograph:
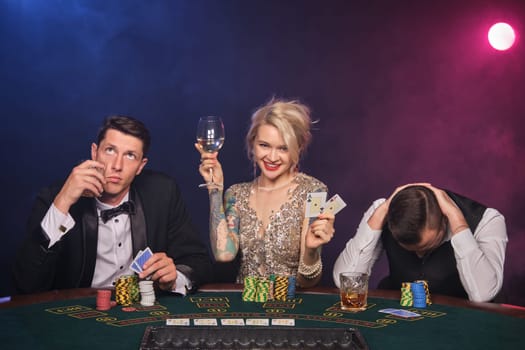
(281, 288)
(290, 293)
(147, 293)
(103, 299)
(127, 290)
(416, 294)
(250, 288)
(406, 294)
(262, 289)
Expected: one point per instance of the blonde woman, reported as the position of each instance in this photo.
(264, 220)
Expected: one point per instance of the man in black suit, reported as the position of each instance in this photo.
(85, 231)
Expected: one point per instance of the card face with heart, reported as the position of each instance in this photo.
(334, 205)
(315, 204)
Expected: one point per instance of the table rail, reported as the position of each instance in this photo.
(66, 294)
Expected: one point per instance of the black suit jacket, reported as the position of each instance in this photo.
(161, 222)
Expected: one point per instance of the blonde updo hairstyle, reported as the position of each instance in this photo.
(291, 118)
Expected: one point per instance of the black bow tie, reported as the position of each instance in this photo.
(126, 207)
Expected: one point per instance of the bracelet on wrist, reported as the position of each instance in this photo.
(310, 271)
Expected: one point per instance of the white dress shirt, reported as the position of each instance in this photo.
(479, 257)
(114, 245)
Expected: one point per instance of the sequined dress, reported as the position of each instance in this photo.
(276, 248)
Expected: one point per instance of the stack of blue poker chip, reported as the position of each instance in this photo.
(419, 295)
(291, 288)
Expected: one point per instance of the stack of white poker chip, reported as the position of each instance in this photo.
(147, 293)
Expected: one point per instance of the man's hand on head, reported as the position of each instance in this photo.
(456, 219)
(377, 220)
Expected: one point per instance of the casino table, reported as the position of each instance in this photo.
(68, 319)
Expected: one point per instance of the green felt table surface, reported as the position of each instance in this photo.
(76, 324)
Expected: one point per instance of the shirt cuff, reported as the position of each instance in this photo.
(182, 284)
(463, 243)
(55, 224)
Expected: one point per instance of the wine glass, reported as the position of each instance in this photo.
(210, 135)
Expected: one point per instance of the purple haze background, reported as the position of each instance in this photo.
(404, 91)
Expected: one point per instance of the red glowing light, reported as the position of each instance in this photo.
(501, 36)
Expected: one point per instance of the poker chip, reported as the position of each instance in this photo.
(406, 294)
(129, 309)
(427, 291)
(272, 286)
(416, 294)
(126, 290)
(147, 293)
(281, 288)
(250, 288)
(263, 289)
(290, 294)
(103, 299)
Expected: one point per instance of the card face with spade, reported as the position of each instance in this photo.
(315, 203)
(334, 205)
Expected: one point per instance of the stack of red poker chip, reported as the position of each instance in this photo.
(103, 299)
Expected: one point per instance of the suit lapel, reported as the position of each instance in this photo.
(138, 224)
(89, 242)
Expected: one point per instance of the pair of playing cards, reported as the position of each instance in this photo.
(400, 313)
(141, 258)
(316, 204)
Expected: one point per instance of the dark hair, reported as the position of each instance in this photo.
(128, 126)
(413, 209)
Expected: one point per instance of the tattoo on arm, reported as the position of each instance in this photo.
(224, 226)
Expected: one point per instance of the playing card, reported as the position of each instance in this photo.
(400, 313)
(143, 257)
(315, 204)
(135, 267)
(334, 205)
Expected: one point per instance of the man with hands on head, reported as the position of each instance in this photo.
(72, 242)
(456, 244)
